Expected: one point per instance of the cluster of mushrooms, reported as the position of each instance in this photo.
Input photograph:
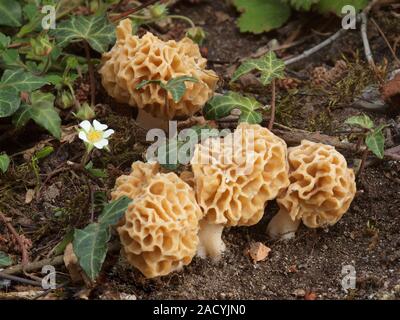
(172, 218)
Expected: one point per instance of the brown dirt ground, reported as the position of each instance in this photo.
(368, 236)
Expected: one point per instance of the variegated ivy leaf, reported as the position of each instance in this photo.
(221, 106)
(268, 65)
(176, 86)
(96, 30)
(362, 121)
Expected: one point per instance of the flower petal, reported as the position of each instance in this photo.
(85, 125)
(108, 133)
(101, 144)
(82, 136)
(99, 126)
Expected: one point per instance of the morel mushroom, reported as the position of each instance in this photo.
(321, 190)
(234, 177)
(159, 230)
(133, 60)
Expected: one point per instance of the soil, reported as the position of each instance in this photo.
(307, 267)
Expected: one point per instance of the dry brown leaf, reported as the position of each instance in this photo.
(72, 265)
(310, 296)
(30, 193)
(68, 134)
(258, 251)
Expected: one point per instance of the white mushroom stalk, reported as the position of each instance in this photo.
(95, 135)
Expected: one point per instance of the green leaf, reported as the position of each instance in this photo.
(4, 162)
(44, 113)
(22, 116)
(10, 59)
(96, 30)
(44, 153)
(10, 13)
(302, 4)
(177, 86)
(146, 82)
(114, 211)
(269, 65)
(375, 142)
(21, 80)
(5, 260)
(9, 102)
(336, 6)
(97, 173)
(90, 246)
(261, 15)
(362, 121)
(4, 41)
(221, 106)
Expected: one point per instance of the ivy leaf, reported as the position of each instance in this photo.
(5, 260)
(41, 111)
(10, 13)
(221, 106)
(4, 162)
(261, 15)
(90, 246)
(9, 102)
(375, 142)
(336, 6)
(176, 86)
(269, 65)
(44, 113)
(96, 30)
(4, 41)
(362, 121)
(114, 211)
(21, 80)
(302, 4)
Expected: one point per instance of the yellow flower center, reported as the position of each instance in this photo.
(94, 136)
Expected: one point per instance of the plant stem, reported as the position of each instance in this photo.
(91, 74)
(85, 159)
(363, 162)
(188, 20)
(136, 9)
(273, 106)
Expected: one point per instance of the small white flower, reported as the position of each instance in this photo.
(95, 134)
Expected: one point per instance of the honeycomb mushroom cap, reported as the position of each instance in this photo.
(159, 230)
(322, 187)
(134, 59)
(234, 191)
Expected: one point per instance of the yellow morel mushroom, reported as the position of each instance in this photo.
(321, 190)
(133, 60)
(234, 178)
(159, 229)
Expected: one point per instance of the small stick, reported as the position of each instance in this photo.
(133, 10)
(364, 36)
(34, 266)
(363, 162)
(24, 252)
(386, 40)
(273, 106)
(318, 47)
(18, 279)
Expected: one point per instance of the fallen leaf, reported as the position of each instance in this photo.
(293, 269)
(68, 134)
(391, 93)
(73, 267)
(30, 193)
(310, 296)
(258, 251)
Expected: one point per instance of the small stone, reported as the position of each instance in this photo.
(299, 293)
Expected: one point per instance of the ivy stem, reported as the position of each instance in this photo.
(363, 162)
(85, 159)
(91, 74)
(133, 10)
(273, 106)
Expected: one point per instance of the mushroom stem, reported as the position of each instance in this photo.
(211, 244)
(147, 121)
(282, 226)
